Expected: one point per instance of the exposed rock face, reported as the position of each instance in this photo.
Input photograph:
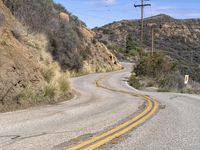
(98, 65)
(64, 16)
(180, 39)
(88, 34)
(18, 68)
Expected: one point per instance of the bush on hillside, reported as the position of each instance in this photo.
(64, 85)
(50, 92)
(161, 69)
(134, 81)
(48, 74)
(131, 45)
(154, 66)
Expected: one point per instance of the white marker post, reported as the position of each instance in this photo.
(186, 79)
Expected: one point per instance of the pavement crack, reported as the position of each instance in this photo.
(16, 137)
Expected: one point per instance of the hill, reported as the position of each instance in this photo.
(178, 39)
(41, 46)
(70, 42)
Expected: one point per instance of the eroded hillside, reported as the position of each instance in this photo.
(19, 68)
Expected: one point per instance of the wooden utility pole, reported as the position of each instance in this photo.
(142, 5)
(142, 22)
(152, 41)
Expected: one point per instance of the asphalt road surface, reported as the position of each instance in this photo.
(96, 110)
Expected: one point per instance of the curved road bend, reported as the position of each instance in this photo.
(95, 110)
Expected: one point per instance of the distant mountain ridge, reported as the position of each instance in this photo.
(179, 39)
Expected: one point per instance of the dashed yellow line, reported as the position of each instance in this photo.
(119, 130)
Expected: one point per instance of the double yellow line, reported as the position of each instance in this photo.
(97, 141)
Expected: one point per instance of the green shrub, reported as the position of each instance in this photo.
(150, 84)
(48, 74)
(133, 53)
(50, 92)
(131, 47)
(134, 82)
(24, 95)
(121, 50)
(154, 66)
(28, 96)
(64, 85)
(130, 44)
(160, 69)
(170, 81)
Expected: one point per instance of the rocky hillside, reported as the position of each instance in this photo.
(70, 43)
(41, 45)
(179, 39)
(19, 68)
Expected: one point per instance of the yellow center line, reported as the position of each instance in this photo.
(115, 129)
(120, 133)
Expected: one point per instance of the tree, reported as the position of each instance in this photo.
(131, 45)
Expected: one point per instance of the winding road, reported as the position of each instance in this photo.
(106, 114)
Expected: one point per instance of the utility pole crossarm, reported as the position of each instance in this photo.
(142, 5)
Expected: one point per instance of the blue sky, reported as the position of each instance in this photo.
(100, 12)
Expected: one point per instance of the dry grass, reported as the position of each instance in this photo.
(57, 80)
(55, 83)
(48, 74)
(28, 67)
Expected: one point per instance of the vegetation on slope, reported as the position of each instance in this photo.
(160, 71)
(41, 45)
(69, 41)
(28, 74)
(131, 51)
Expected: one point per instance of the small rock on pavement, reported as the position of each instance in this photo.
(162, 106)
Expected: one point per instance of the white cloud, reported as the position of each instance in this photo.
(109, 2)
